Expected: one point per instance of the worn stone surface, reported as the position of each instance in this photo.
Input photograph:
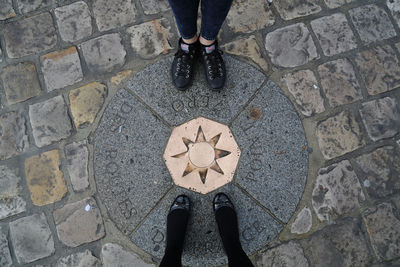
(49, 121)
(31, 238)
(113, 14)
(339, 82)
(44, 178)
(336, 3)
(304, 87)
(11, 201)
(289, 254)
(74, 21)
(79, 222)
(61, 68)
(104, 53)
(77, 156)
(291, 9)
(26, 6)
(372, 23)
(394, 7)
(20, 82)
(113, 255)
(80, 259)
(30, 35)
(383, 227)
(86, 102)
(381, 118)
(379, 68)
(5, 256)
(337, 191)
(343, 244)
(154, 6)
(334, 34)
(152, 38)
(13, 134)
(249, 15)
(249, 48)
(7, 11)
(121, 77)
(290, 46)
(303, 222)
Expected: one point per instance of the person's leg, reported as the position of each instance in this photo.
(185, 12)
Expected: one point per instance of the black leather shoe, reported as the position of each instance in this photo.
(214, 66)
(222, 200)
(181, 202)
(182, 66)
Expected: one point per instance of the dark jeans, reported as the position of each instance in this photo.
(213, 14)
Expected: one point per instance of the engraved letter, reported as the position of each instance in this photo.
(156, 235)
(112, 168)
(127, 208)
(248, 234)
(111, 154)
(126, 108)
(178, 105)
(256, 164)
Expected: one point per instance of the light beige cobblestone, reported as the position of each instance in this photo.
(77, 156)
(113, 14)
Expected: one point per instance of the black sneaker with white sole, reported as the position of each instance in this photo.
(182, 66)
(214, 66)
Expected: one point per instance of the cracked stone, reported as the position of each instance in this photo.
(104, 53)
(381, 118)
(291, 9)
(11, 202)
(80, 259)
(339, 135)
(31, 238)
(44, 178)
(114, 255)
(384, 230)
(339, 82)
(26, 6)
(86, 102)
(290, 46)
(334, 34)
(6, 11)
(13, 134)
(289, 254)
(15, 80)
(151, 7)
(5, 256)
(77, 155)
(337, 191)
(380, 171)
(304, 87)
(79, 223)
(30, 35)
(336, 3)
(379, 68)
(74, 21)
(152, 38)
(50, 121)
(303, 222)
(372, 23)
(61, 68)
(249, 15)
(394, 7)
(113, 14)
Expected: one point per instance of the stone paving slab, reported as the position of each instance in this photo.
(11, 202)
(5, 256)
(13, 139)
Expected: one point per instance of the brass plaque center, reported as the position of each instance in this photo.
(201, 154)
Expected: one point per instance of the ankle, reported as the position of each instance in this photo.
(191, 40)
(206, 42)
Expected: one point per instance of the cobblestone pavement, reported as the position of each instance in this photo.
(62, 61)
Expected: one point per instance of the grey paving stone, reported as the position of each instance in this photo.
(13, 134)
(203, 246)
(394, 6)
(113, 255)
(334, 34)
(16, 77)
(30, 35)
(343, 244)
(79, 222)
(339, 82)
(303, 222)
(31, 238)
(339, 135)
(381, 118)
(291, 9)
(77, 156)
(290, 46)
(288, 255)
(113, 14)
(26, 6)
(372, 23)
(152, 38)
(61, 68)
(379, 171)
(74, 21)
(154, 6)
(80, 259)
(5, 256)
(336, 3)
(337, 191)
(379, 68)
(11, 201)
(304, 87)
(384, 229)
(104, 53)
(7, 11)
(49, 121)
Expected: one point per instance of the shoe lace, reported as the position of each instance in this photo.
(214, 63)
(183, 67)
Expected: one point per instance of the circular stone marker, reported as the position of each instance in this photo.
(134, 182)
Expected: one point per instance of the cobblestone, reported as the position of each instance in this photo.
(7, 11)
(114, 255)
(26, 6)
(303, 222)
(49, 121)
(78, 223)
(381, 118)
(74, 21)
(339, 82)
(11, 202)
(44, 178)
(80, 259)
(291, 9)
(77, 156)
(5, 256)
(30, 35)
(154, 6)
(113, 14)
(61, 68)
(289, 254)
(13, 134)
(31, 238)
(394, 7)
(336, 3)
